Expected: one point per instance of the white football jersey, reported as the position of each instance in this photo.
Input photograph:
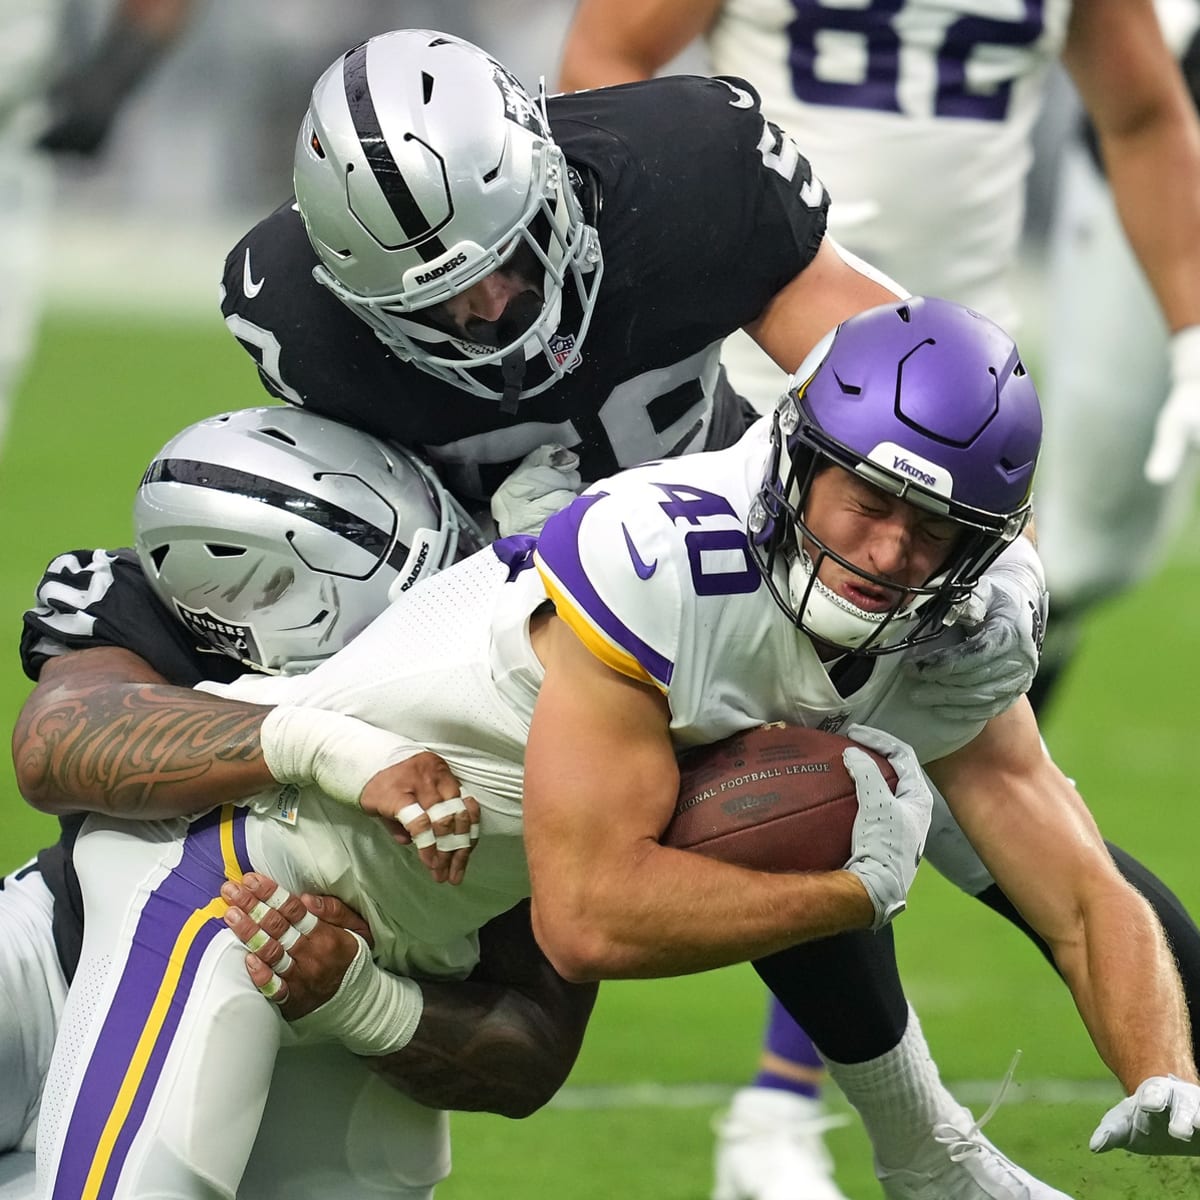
(653, 571)
(917, 115)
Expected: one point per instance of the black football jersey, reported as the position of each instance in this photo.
(90, 598)
(704, 211)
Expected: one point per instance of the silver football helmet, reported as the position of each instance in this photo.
(421, 167)
(276, 535)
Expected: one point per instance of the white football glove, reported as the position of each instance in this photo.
(890, 829)
(547, 479)
(1177, 429)
(1161, 1117)
(984, 675)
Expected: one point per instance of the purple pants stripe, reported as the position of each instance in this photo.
(178, 922)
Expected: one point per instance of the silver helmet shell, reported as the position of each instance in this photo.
(422, 166)
(276, 535)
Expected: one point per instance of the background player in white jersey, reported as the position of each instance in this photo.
(918, 117)
(1109, 359)
(866, 526)
(217, 534)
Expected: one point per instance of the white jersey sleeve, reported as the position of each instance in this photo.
(653, 572)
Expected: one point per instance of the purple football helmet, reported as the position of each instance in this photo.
(927, 401)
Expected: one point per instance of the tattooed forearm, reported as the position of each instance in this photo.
(137, 750)
(489, 1048)
(504, 1040)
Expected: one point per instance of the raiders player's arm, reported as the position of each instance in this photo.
(104, 732)
(830, 289)
(613, 41)
(502, 1041)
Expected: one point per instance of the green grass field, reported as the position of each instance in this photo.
(100, 400)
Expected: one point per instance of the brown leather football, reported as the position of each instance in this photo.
(776, 798)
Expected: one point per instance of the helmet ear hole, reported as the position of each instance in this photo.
(279, 435)
(159, 555)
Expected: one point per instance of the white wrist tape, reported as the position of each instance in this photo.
(340, 754)
(373, 1012)
(1184, 348)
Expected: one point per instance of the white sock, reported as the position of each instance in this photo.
(898, 1095)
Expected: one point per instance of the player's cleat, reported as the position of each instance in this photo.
(956, 1162)
(770, 1146)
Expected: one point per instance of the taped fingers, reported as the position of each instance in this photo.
(446, 808)
(409, 813)
(274, 989)
(464, 822)
(296, 930)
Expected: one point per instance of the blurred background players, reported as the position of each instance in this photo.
(1109, 358)
(48, 107)
(920, 120)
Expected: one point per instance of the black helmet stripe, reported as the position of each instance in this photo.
(392, 184)
(302, 505)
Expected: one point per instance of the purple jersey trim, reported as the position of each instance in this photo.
(178, 922)
(558, 553)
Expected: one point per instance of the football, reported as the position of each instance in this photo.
(776, 798)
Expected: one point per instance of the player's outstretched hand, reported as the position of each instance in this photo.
(1177, 429)
(1161, 1117)
(546, 480)
(984, 676)
(299, 946)
(420, 801)
(889, 831)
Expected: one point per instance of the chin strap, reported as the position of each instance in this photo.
(512, 375)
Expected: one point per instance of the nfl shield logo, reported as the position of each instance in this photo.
(216, 633)
(562, 350)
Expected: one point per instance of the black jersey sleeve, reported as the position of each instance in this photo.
(90, 598)
(706, 203)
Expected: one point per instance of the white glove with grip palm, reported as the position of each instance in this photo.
(1161, 1117)
(889, 831)
(1177, 429)
(547, 479)
(984, 676)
